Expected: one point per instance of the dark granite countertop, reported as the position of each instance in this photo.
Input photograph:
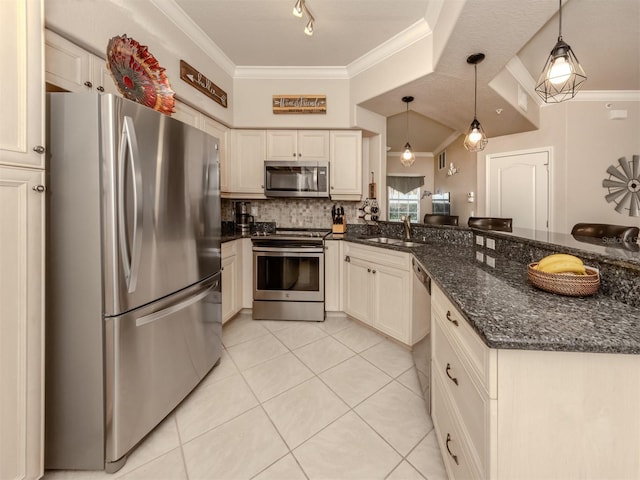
(508, 312)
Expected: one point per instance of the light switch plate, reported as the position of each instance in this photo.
(491, 243)
(479, 240)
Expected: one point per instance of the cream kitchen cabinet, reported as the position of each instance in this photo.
(333, 275)
(346, 165)
(231, 281)
(377, 289)
(22, 81)
(71, 68)
(312, 145)
(22, 201)
(246, 249)
(530, 414)
(193, 117)
(21, 322)
(246, 164)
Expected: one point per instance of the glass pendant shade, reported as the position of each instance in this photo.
(408, 157)
(476, 139)
(562, 75)
(297, 9)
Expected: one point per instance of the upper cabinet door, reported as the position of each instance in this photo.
(282, 145)
(67, 66)
(22, 80)
(346, 165)
(313, 145)
(71, 68)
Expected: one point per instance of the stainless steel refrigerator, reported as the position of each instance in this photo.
(133, 274)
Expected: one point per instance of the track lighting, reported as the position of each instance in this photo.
(309, 28)
(476, 139)
(299, 9)
(562, 75)
(408, 157)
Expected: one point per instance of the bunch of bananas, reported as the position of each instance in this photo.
(561, 263)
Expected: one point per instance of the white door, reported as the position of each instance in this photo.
(518, 188)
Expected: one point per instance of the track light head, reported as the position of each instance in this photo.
(298, 8)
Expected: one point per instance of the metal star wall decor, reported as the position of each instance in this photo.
(624, 185)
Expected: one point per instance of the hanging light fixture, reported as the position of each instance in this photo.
(562, 75)
(476, 139)
(408, 157)
(297, 8)
(309, 28)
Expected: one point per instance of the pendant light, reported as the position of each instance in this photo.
(408, 157)
(476, 139)
(562, 75)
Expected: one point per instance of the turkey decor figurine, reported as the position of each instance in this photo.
(137, 74)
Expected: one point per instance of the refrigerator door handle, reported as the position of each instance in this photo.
(130, 263)
(152, 317)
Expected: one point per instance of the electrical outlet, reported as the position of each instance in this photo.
(480, 256)
(491, 261)
(491, 243)
(480, 240)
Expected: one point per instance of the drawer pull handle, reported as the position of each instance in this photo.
(455, 457)
(452, 320)
(453, 379)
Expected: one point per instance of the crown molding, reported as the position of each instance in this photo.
(607, 96)
(416, 154)
(395, 44)
(181, 20)
(297, 73)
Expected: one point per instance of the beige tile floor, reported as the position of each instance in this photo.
(294, 400)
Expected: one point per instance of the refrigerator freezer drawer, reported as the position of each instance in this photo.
(155, 356)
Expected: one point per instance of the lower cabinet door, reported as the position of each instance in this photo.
(357, 281)
(21, 322)
(229, 287)
(391, 293)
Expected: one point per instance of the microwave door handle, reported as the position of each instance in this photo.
(130, 263)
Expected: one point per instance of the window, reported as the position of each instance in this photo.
(404, 204)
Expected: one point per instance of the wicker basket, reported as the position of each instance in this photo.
(566, 283)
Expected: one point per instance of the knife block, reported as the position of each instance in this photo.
(340, 227)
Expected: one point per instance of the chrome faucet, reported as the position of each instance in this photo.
(407, 227)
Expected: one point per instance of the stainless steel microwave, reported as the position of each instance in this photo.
(296, 179)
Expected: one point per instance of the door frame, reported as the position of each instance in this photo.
(550, 178)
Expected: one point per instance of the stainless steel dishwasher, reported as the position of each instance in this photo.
(422, 320)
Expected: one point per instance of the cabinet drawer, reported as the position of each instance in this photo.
(480, 359)
(470, 405)
(379, 256)
(228, 249)
(451, 440)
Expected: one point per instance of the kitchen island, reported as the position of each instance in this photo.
(527, 384)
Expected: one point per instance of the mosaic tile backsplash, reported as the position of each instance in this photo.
(295, 213)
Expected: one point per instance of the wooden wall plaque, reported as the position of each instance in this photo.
(299, 104)
(198, 81)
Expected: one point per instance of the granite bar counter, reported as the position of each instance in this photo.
(507, 312)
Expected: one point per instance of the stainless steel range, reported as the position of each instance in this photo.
(288, 282)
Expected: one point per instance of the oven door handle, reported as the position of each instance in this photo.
(289, 249)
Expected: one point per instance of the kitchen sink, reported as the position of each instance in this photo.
(384, 240)
(394, 241)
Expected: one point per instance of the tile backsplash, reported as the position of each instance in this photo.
(295, 213)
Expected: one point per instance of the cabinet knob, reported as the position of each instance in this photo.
(88, 84)
(100, 88)
(38, 188)
(294, 154)
(373, 271)
(369, 270)
(38, 149)
(347, 258)
(452, 320)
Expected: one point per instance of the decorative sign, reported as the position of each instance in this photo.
(202, 83)
(299, 104)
